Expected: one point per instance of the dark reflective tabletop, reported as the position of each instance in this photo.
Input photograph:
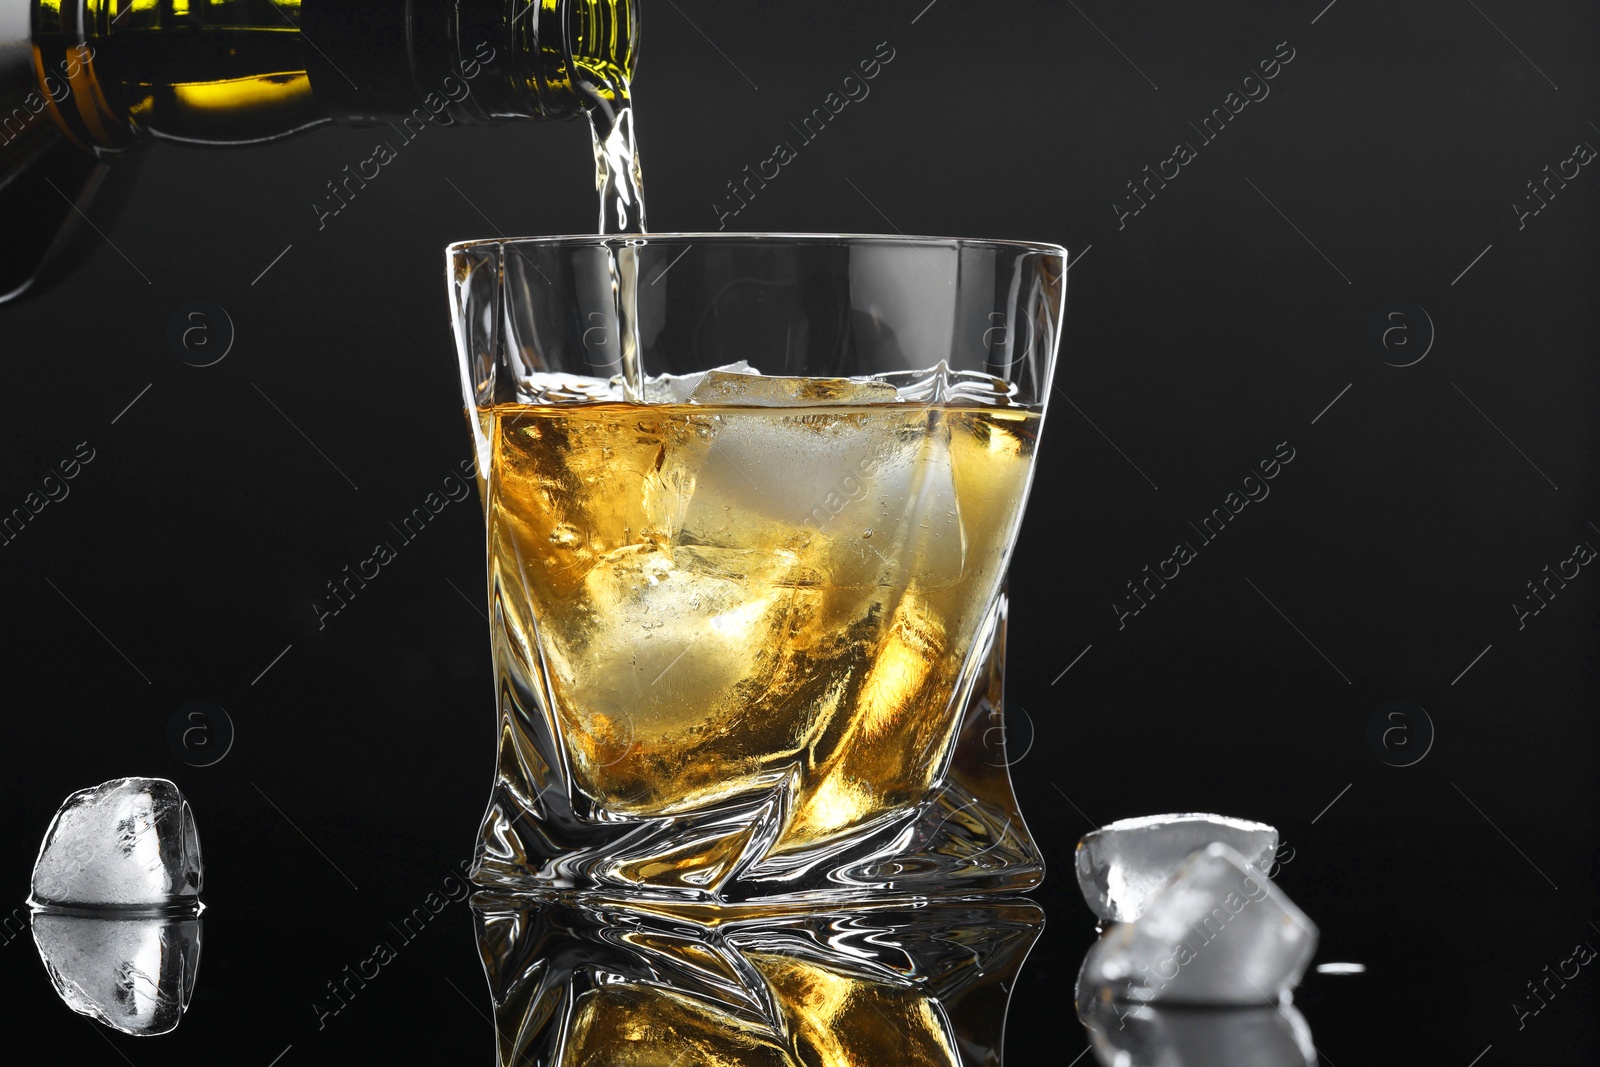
(397, 968)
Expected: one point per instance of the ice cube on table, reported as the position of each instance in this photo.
(135, 975)
(1123, 865)
(770, 391)
(126, 843)
(1220, 933)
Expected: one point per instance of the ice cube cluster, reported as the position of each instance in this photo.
(1122, 866)
(1193, 919)
(116, 903)
(741, 385)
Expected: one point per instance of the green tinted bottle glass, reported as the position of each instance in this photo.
(85, 82)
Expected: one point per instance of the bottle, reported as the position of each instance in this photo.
(85, 83)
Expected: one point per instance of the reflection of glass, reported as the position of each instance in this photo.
(132, 974)
(633, 985)
(750, 503)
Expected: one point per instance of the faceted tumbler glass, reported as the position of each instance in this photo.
(750, 500)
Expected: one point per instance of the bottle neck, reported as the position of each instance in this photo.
(472, 60)
(238, 71)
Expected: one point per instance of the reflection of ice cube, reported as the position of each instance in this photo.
(128, 843)
(133, 975)
(1143, 1035)
(1219, 933)
(1123, 865)
(720, 387)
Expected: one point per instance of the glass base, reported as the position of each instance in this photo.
(964, 836)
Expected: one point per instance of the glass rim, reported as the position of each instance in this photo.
(592, 240)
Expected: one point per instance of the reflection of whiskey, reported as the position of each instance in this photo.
(825, 1016)
(718, 602)
(615, 984)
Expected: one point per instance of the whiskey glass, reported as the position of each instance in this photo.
(749, 503)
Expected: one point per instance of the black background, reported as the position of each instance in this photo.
(1201, 334)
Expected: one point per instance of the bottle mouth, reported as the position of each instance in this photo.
(599, 52)
(549, 59)
(475, 62)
